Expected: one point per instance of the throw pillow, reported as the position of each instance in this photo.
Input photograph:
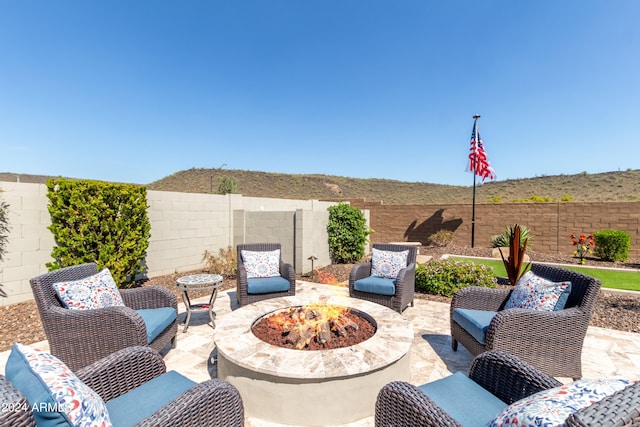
(56, 395)
(261, 263)
(97, 291)
(537, 293)
(552, 407)
(387, 264)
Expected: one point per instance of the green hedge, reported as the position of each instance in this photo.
(99, 222)
(347, 230)
(612, 245)
(448, 276)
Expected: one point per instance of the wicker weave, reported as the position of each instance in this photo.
(211, 403)
(286, 271)
(15, 411)
(550, 340)
(401, 404)
(405, 282)
(80, 337)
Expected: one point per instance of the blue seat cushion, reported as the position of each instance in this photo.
(463, 399)
(156, 320)
(141, 402)
(476, 322)
(266, 285)
(376, 285)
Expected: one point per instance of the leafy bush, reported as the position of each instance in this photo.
(227, 185)
(224, 264)
(441, 238)
(4, 228)
(347, 229)
(99, 222)
(612, 245)
(448, 276)
(502, 240)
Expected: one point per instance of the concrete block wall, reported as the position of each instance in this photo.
(267, 227)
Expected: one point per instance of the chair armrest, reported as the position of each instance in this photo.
(149, 297)
(359, 271)
(479, 298)
(406, 278)
(517, 324)
(620, 409)
(402, 404)
(122, 371)
(288, 272)
(508, 377)
(15, 410)
(214, 403)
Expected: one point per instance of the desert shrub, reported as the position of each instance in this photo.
(99, 222)
(448, 276)
(227, 185)
(495, 199)
(502, 240)
(225, 263)
(441, 238)
(612, 245)
(566, 198)
(347, 230)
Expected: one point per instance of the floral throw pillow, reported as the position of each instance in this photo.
(552, 407)
(537, 293)
(387, 264)
(261, 263)
(97, 291)
(56, 394)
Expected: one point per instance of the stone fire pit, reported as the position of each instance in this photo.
(311, 388)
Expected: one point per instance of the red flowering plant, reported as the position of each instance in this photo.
(584, 245)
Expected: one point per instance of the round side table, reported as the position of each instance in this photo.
(199, 282)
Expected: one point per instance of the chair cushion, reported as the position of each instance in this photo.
(537, 293)
(261, 263)
(142, 402)
(97, 291)
(156, 320)
(376, 285)
(552, 407)
(57, 395)
(387, 264)
(265, 285)
(475, 322)
(465, 400)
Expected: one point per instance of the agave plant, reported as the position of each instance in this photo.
(517, 248)
(502, 240)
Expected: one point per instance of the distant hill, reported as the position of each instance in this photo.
(609, 186)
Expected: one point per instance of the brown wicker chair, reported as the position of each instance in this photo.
(286, 271)
(210, 403)
(509, 379)
(80, 337)
(550, 340)
(404, 285)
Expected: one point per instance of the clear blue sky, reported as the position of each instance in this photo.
(132, 91)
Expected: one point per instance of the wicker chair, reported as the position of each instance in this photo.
(210, 403)
(243, 294)
(509, 379)
(404, 283)
(80, 337)
(550, 340)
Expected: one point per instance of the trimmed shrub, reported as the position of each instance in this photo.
(99, 222)
(448, 276)
(347, 229)
(224, 264)
(612, 245)
(441, 238)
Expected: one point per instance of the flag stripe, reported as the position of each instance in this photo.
(478, 162)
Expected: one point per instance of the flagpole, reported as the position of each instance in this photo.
(473, 205)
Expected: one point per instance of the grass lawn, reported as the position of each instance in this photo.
(614, 279)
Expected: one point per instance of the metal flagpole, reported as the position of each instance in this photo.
(473, 205)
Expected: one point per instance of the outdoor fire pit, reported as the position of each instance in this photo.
(307, 386)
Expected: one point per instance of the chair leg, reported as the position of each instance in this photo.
(454, 344)
(174, 341)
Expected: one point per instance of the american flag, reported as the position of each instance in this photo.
(478, 162)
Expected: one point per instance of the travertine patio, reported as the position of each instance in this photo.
(606, 354)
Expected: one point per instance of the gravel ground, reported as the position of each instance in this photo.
(21, 322)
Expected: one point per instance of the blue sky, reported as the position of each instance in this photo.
(132, 91)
